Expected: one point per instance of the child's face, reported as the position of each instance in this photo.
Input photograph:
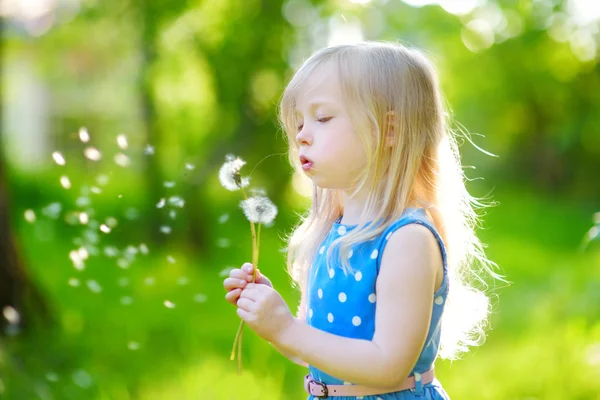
(331, 153)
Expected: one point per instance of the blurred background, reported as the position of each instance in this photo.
(115, 234)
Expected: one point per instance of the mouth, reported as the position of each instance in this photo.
(306, 163)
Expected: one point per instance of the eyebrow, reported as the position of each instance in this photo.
(315, 104)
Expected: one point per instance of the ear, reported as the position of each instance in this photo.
(389, 128)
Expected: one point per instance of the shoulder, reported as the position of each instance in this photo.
(411, 252)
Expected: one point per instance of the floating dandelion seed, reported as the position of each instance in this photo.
(84, 218)
(11, 315)
(58, 158)
(126, 300)
(72, 218)
(52, 210)
(225, 271)
(169, 184)
(91, 236)
(84, 135)
(95, 190)
(111, 222)
(123, 281)
(223, 242)
(149, 281)
(133, 345)
(29, 216)
(82, 379)
(172, 214)
(132, 213)
(104, 228)
(200, 298)
(82, 201)
(259, 209)
(102, 179)
(83, 253)
(131, 250)
(77, 261)
(122, 141)
(165, 229)
(111, 251)
(169, 304)
(183, 280)
(171, 259)
(92, 153)
(223, 218)
(190, 167)
(65, 182)
(161, 203)
(122, 160)
(94, 286)
(229, 174)
(74, 282)
(52, 377)
(144, 249)
(176, 201)
(149, 150)
(123, 263)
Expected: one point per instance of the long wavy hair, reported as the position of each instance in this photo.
(422, 169)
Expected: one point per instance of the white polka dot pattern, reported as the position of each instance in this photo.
(342, 230)
(374, 254)
(320, 293)
(372, 298)
(356, 321)
(310, 313)
(439, 300)
(331, 273)
(358, 276)
(330, 317)
(342, 297)
(322, 250)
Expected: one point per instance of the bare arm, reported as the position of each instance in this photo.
(410, 265)
(300, 319)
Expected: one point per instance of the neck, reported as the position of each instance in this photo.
(353, 208)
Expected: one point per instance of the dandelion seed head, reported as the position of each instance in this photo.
(111, 251)
(149, 150)
(133, 345)
(259, 209)
(161, 203)
(169, 184)
(95, 190)
(144, 248)
(169, 304)
(190, 167)
(165, 229)
(104, 228)
(52, 210)
(229, 174)
(123, 263)
(76, 259)
(11, 315)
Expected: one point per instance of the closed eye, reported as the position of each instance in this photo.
(324, 119)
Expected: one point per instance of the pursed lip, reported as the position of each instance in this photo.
(305, 162)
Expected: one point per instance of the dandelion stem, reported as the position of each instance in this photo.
(237, 343)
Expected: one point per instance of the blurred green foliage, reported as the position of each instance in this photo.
(199, 79)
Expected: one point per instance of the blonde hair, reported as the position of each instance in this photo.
(393, 90)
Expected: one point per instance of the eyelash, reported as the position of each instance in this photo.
(321, 120)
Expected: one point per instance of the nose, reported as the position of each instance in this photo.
(304, 137)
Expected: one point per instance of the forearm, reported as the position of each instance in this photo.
(293, 358)
(358, 361)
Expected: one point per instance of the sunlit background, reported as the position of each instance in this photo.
(115, 234)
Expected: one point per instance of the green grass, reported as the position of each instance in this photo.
(545, 341)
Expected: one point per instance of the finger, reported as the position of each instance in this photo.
(238, 273)
(251, 292)
(243, 314)
(259, 287)
(246, 304)
(248, 268)
(233, 296)
(233, 283)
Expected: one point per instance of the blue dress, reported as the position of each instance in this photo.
(344, 304)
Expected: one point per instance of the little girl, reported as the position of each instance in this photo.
(386, 257)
